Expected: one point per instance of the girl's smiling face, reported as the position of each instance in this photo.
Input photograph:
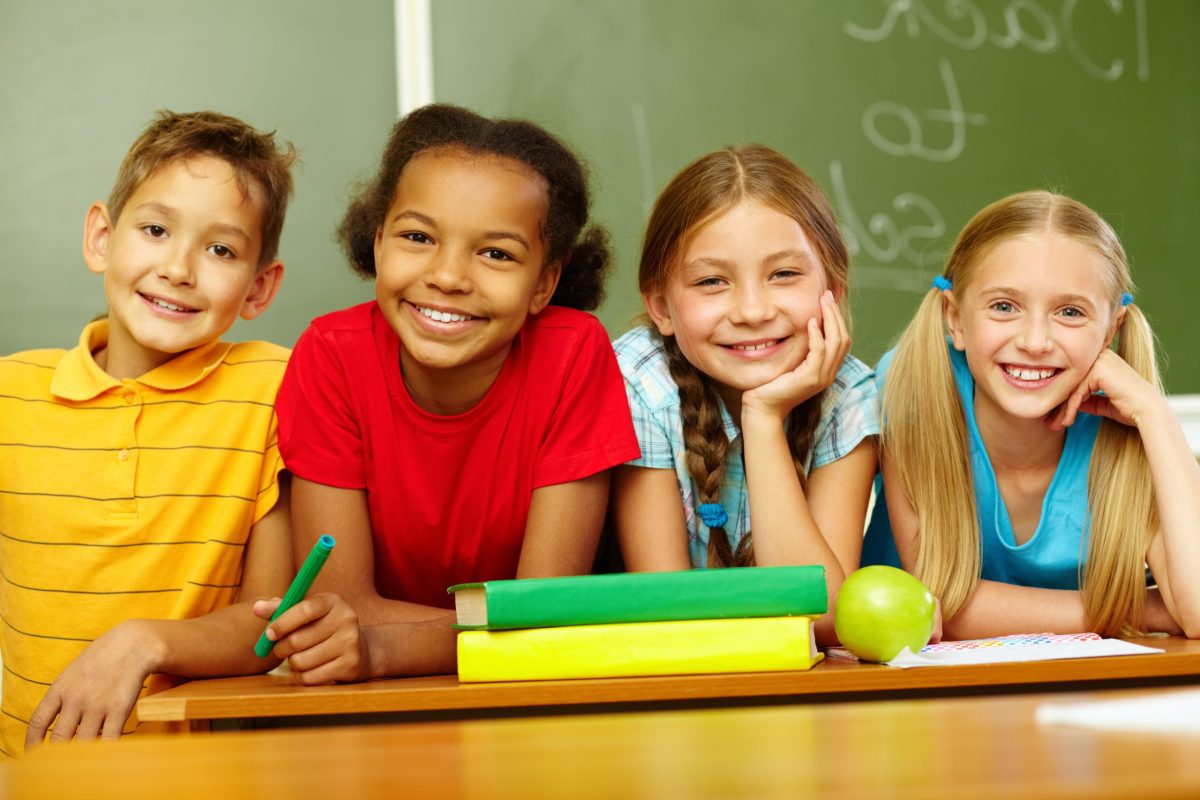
(1033, 319)
(459, 267)
(740, 297)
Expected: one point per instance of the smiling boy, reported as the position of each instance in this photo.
(142, 505)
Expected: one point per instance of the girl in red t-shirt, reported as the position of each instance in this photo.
(461, 426)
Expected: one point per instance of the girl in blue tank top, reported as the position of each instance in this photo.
(1031, 467)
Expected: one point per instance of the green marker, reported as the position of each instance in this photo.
(295, 593)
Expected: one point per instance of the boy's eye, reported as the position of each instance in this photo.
(220, 251)
(155, 231)
(416, 236)
(497, 255)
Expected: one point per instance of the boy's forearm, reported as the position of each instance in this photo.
(216, 644)
(427, 647)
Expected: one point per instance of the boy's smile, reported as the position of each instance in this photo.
(180, 264)
(459, 267)
(739, 301)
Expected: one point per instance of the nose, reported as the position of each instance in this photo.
(449, 272)
(751, 305)
(1036, 336)
(176, 267)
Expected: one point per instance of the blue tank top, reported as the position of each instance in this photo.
(1051, 557)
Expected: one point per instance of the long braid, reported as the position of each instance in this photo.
(707, 444)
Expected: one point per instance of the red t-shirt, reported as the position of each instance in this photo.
(449, 495)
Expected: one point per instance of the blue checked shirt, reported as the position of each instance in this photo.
(849, 414)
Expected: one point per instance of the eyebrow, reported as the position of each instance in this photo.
(791, 252)
(709, 261)
(488, 235)
(510, 235)
(226, 228)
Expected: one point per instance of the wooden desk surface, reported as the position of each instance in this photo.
(262, 696)
(980, 747)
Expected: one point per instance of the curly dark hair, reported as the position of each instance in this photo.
(584, 254)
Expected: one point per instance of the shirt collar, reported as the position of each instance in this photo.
(78, 377)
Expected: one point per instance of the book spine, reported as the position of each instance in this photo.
(687, 647)
(663, 596)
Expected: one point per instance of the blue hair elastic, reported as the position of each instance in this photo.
(1126, 298)
(713, 515)
(941, 282)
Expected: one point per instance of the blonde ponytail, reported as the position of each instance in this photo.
(1121, 499)
(925, 439)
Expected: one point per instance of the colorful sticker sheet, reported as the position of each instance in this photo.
(1015, 640)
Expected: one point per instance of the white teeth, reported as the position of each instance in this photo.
(165, 304)
(1029, 374)
(759, 346)
(442, 316)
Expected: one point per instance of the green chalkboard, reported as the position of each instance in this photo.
(80, 79)
(912, 114)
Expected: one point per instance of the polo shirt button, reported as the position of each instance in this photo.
(123, 455)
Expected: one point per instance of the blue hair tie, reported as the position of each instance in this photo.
(713, 515)
(1126, 298)
(941, 282)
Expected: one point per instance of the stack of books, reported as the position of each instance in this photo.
(737, 619)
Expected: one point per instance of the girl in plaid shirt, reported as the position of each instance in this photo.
(745, 400)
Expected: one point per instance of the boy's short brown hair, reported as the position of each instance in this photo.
(253, 156)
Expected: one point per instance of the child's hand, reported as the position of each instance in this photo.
(95, 694)
(828, 343)
(1127, 397)
(320, 637)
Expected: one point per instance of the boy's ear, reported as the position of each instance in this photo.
(263, 290)
(656, 306)
(547, 282)
(97, 229)
(953, 320)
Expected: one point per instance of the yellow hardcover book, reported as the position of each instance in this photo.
(681, 647)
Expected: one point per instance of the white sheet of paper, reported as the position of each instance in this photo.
(1017, 652)
(1169, 712)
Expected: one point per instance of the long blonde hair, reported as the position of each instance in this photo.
(925, 434)
(702, 191)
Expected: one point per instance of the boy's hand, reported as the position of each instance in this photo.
(828, 343)
(95, 693)
(320, 637)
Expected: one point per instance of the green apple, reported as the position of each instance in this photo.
(880, 611)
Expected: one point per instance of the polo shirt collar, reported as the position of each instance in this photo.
(78, 377)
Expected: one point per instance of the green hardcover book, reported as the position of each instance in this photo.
(729, 593)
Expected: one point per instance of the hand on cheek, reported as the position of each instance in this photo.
(1110, 389)
(828, 343)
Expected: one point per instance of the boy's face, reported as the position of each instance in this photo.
(181, 263)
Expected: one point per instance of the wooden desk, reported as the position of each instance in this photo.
(988, 747)
(265, 696)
